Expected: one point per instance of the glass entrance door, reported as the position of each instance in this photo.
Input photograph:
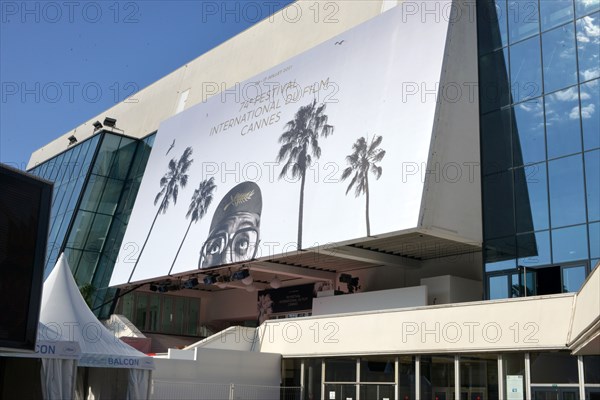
(554, 393)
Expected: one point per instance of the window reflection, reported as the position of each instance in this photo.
(594, 240)
(492, 25)
(523, 19)
(560, 68)
(583, 7)
(588, 47)
(534, 249)
(500, 254)
(498, 202)
(590, 114)
(531, 198)
(526, 70)
(493, 84)
(573, 278)
(529, 143)
(592, 176)
(567, 203)
(569, 244)
(555, 12)
(562, 123)
(498, 287)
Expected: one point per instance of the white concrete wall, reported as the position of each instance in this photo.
(253, 51)
(531, 323)
(449, 289)
(451, 205)
(221, 366)
(371, 301)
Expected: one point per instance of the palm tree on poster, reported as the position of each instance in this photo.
(198, 207)
(175, 177)
(300, 147)
(363, 160)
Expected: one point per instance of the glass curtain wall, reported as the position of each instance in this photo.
(68, 171)
(539, 75)
(96, 183)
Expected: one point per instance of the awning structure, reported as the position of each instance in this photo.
(64, 310)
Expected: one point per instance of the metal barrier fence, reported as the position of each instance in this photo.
(168, 390)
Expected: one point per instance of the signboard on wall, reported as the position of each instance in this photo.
(320, 149)
(514, 387)
(285, 300)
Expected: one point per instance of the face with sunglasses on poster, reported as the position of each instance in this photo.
(234, 231)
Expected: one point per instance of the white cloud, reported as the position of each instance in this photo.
(567, 95)
(574, 114)
(588, 111)
(590, 73)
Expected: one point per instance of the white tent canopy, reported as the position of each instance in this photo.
(65, 311)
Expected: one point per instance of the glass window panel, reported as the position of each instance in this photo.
(588, 47)
(573, 278)
(141, 310)
(312, 378)
(590, 114)
(406, 377)
(526, 70)
(494, 83)
(123, 158)
(492, 24)
(110, 196)
(500, 254)
(591, 369)
(531, 198)
(553, 368)
(154, 313)
(167, 314)
(529, 142)
(98, 232)
(291, 371)
(569, 244)
(108, 148)
(87, 160)
(178, 318)
(340, 370)
(81, 227)
(87, 265)
(498, 287)
(193, 316)
(58, 163)
(377, 369)
(560, 63)
(479, 376)
(562, 123)
(523, 19)
(594, 240)
(534, 249)
(567, 202)
(498, 205)
(126, 303)
(438, 372)
(555, 12)
(583, 7)
(495, 141)
(93, 193)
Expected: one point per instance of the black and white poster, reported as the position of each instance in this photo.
(314, 151)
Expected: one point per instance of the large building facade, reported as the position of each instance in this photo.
(486, 291)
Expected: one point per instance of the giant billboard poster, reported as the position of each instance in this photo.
(311, 152)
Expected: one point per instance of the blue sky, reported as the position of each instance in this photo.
(61, 63)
